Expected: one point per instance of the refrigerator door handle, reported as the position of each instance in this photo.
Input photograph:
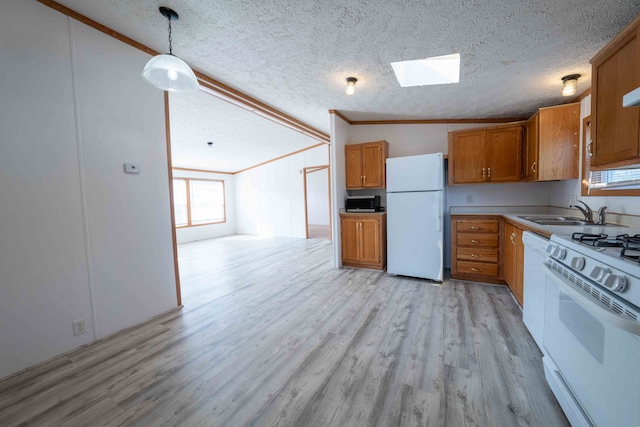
(439, 210)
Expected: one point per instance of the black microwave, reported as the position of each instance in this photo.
(363, 204)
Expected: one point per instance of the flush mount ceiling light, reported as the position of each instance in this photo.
(429, 71)
(570, 84)
(168, 72)
(351, 85)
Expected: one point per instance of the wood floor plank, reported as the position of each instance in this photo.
(272, 335)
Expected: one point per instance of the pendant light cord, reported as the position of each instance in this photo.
(170, 48)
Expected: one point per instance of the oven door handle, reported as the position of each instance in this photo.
(592, 307)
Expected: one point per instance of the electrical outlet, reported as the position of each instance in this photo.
(469, 199)
(79, 326)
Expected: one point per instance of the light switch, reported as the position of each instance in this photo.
(131, 168)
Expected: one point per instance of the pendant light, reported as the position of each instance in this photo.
(168, 72)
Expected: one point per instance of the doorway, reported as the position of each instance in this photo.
(317, 200)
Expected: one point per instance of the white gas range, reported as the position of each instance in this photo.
(592, 327)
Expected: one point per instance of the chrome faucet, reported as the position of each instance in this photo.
(601, 213)
(586, 211)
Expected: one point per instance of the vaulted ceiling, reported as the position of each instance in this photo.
(295, 55)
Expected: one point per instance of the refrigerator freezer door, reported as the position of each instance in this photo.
(415, 173)
(414, 234)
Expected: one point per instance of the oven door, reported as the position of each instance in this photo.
(597, 352)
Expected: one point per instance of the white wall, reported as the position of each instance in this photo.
(561, 191)
(270, 198)
(201, 232)
(318, 197)
(339, 138)
(80, 239)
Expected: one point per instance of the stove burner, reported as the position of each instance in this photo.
(587, 237)
(631, 253)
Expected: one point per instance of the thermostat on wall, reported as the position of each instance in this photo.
(131, 168)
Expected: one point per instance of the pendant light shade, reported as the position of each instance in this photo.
(168, 72)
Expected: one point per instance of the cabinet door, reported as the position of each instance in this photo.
(373, 165)
(370, 240)
(510, 255)
(467, 156)
(615, 129)
(531, 149)
(559, 141)
(353, 162)
(349, 236)
(518, 282)
(504, 154)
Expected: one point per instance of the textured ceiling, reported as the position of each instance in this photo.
(295, 55)
(241, 139)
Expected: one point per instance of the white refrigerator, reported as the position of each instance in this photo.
(415, 210)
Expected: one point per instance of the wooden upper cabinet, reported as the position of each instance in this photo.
(552, 143)
(486, 155)
(616, 129)
(365, 164)
(504, 154)
(373, 165)
(469, 151)
(531, 149)
(353, 161)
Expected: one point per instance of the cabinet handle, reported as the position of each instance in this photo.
(475, 256)
(589, 149)
(365, 179)
(361, 179)
(489, 173)
(475, 228)
(483, 173)
(476, 241)
(476, 270)
(533, 167)
(512, 237)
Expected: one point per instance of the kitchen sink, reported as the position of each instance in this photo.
(563, 221)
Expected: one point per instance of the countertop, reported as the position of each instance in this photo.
(345, 213)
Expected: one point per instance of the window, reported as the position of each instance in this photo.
(612, 182)
(198, 202)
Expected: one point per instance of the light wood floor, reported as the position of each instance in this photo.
(319, 231)
(271, 334)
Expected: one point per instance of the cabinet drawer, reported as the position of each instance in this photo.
(477, 239)
(478, 268)
(477, 255)
(473, 226)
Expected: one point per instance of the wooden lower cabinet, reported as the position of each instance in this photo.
(514, 261)
(476, 248)
(364, 240)
(488, 249)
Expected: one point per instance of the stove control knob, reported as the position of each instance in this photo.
(550, 248)
(559, 253)
(598, 273)
(577, 263)
(615, 283)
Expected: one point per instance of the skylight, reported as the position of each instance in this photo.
(437, 70)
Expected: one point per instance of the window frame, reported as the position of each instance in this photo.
(188, 191)
(584, 185)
